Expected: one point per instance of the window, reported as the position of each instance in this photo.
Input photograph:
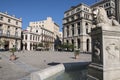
(33, 37)
(72, 29)
(72, 42)
(1, 18)
(67, 20)
(78, 9)
(78, 15)
(78, 40)
(9, 20)
(67, 31)
(67, 41)
(1, 25)
(72, 12)
(8, 27)
(88, 44)
(25, 37)
(86, 28)
(8, 33)
(16, 23)
(67, 14)
(16, 28)
(78, 25)
(38, 38)
(16, 34)
(72, 18)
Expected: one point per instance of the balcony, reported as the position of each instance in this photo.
(9, 36)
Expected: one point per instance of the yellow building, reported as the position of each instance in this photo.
(10, 31)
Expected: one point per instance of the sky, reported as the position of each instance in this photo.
(38, 10)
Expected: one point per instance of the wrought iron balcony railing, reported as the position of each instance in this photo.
(10, 36)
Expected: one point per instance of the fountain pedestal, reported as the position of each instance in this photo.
(105, 53)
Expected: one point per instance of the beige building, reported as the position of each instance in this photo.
(47, 24)
(10, 31)
(77, 23)
(44, 31)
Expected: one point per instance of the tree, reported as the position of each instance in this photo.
(2, 43)
(40, 45)
(47, 44)
(57, 43)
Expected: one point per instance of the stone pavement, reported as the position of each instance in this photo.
(30, 61)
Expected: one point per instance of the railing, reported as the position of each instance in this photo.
(10, 36)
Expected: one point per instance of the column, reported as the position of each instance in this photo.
(70, 31)
(75, 43)
(28, 45)
(76, 29)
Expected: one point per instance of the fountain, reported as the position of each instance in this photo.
(105, 48)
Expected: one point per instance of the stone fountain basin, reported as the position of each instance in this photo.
(51, 71)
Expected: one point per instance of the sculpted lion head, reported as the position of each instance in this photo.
(101, 18)
(100, 15)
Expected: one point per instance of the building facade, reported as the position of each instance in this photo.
(76, 26)
(47, 24)
(108, 5)
(32, 37)
(77, 23)
(44, 32)
(10, 31)
(117, 10)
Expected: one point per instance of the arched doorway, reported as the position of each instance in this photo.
(31, 46)
(25, 46)
(78, 42)
(6, 46)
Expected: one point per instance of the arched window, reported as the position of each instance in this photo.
(78, 42)
(67, 41)
(88, 42)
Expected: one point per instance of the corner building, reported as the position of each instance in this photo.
(77, 23)
(10, 31)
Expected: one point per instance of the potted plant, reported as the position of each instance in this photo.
(13, 56)
(76, 53)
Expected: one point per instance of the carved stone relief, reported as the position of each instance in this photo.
(112, 50)
(96, 51)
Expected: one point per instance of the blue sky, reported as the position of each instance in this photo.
(37, 10)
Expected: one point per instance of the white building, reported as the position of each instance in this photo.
(76, 26)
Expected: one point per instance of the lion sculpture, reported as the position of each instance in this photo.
(102, 19)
